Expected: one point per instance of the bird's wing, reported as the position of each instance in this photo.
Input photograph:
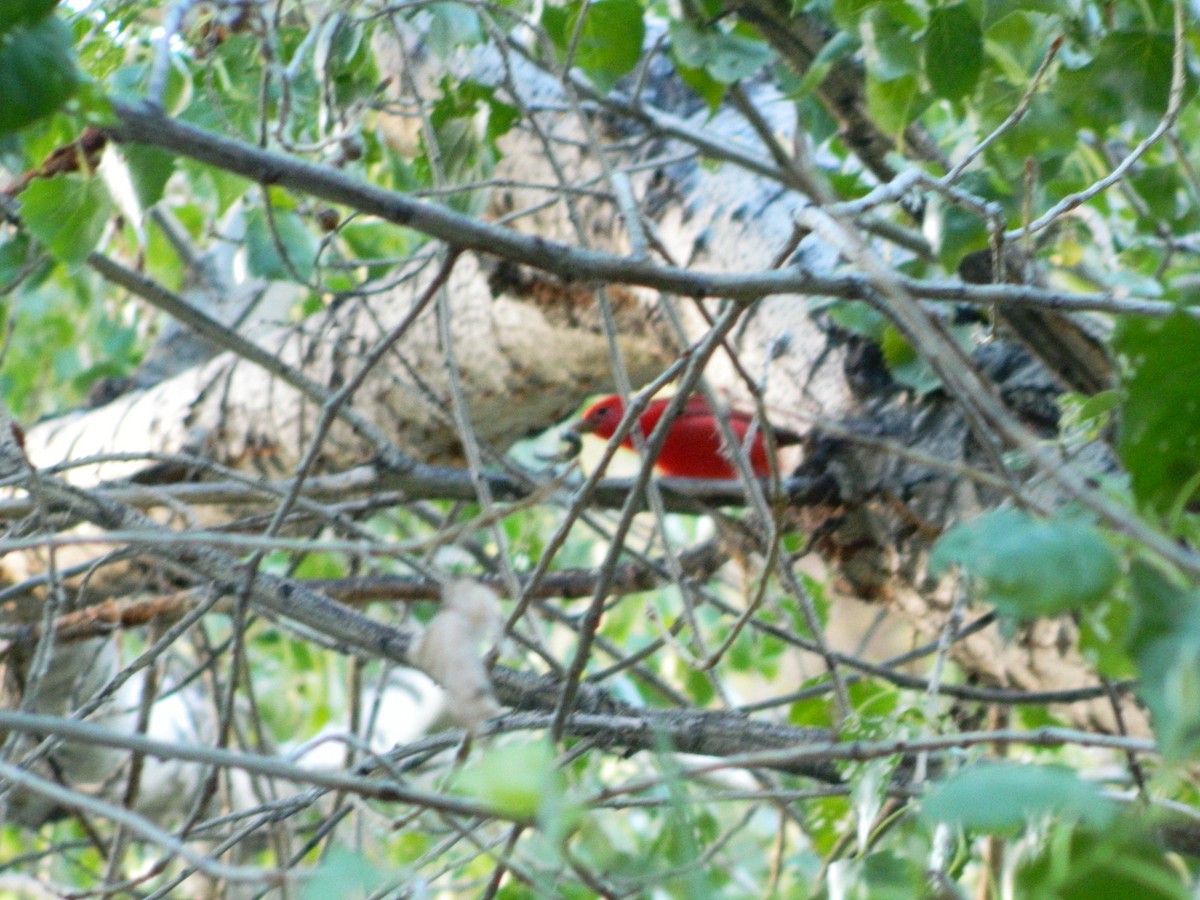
(698, 407)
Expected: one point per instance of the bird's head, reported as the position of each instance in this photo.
(601, 418)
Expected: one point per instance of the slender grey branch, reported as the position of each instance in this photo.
(132, 822)
(144, 125)
(425, 482)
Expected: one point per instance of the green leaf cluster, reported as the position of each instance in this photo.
(604, 38)
(1029, 567)
(1080, 844)
(1160, 409)
(37, 66)
(1164, 640)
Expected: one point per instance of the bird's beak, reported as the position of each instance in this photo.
(572, 439)
(571, 442)
(576, 428)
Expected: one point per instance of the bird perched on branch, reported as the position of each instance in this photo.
(694, 447)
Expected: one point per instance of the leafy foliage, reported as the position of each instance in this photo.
(1031, 568)
(1160, 421)
(37, 69)
(1001, 799)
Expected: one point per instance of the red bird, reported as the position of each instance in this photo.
(694, 447)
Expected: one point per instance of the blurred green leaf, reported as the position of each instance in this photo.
(874, 701)
(1160, 416)
(711, 91)
(452, 25)
(699, 686)
(17, 13)
(1128, 80)
(344, 873)
(521, 780)
(149, 169)
(1030, 567)
(37, 72)
(14, 259)
(905, 365)
(894, 103)
(1163, 192)
(67, 215)
(610, 39)
(890, 48)
(378, 242)
(953, 231)
(885, 875)
(1164, 640)
(1001, 798)
(1082, 863)
(725, 56)
(847, 12)
(297, 241)
(1101, 632)
(321, 565)
(953, 51)
(466, 99)
(860, 318)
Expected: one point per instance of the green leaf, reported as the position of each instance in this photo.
(1164, 640)
(520, 779)
(890, 49)
(452, 25)
(1101, 637)
(887, 875)
(343, 873)
(953, 51)
(466, 99)
(66, 214)
(610, 40)
(1163, 190)
(149, 170)
(16, 13)
(227, 187)
(814, 712)
(343, 60)
(954, 232)
(37, 72)
(1015, 42)
(711, 91)
(467, 120)
(841, 45)
(376, 242)
(14, 258)
(1129, 79)
(726, 57)
(557, 21)
(893, 103)
(699, 686)
(320, 565)
(859, 318)
(905, 365)
(610, 44)
(875, 702)
(847, 12)
(1160, 416)
(1000, 798)
(262, 253)
(1029, 567)
(1076, 862)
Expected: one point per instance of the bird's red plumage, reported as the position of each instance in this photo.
(693, 447)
